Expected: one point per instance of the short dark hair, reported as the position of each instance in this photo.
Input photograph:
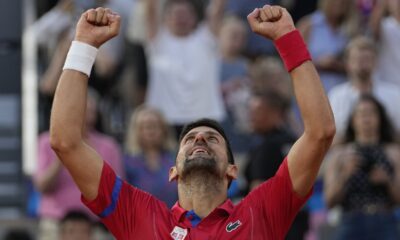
(76, 215)
(205, 122)
(274, 99)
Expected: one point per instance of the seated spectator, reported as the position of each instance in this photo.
(324, 32)
(363, 175)
(75, 225)
(386, 29)
(360, 63)
(59, 194)
(150, 151)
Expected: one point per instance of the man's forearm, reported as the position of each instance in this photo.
(68, 113)
(313, 103)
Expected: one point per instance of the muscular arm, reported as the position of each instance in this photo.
(66, 126)
(305, 157)
(67, 119)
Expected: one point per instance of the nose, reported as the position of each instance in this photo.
(200, 137)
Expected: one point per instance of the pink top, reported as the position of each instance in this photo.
(66, 195)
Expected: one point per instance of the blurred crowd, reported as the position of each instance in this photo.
(179, 60)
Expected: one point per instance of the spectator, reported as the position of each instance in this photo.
(256, 45)
(360, 62)
(363, 175)
(268, 74)
(324, 32)
(268, 114)
(387, 31)
(59, 193)
(75, 225)
(235, 83)
(183, 62)
(150, 151)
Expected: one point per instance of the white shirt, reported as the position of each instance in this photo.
(344, 96)
(388, 65)
(184, 81)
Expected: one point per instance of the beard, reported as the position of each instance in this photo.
(200, 169)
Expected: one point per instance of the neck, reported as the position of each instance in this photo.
(367, 139)
(201, 194)
(152, 156)
(228, 55)
(333, 22)
(364, 85)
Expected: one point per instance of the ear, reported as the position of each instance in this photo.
(232, 171)
(173, 174)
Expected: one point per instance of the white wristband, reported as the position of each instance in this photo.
(81, 57)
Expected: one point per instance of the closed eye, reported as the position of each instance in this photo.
(213, 139)
(189, 139)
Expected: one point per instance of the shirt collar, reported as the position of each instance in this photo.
(179, 213)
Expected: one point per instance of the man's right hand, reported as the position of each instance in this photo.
(271, 22)
(97, 26)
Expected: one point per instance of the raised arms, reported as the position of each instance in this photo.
(68, 115)
(305, 157)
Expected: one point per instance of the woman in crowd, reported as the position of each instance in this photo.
(150, 151)
(363, 175)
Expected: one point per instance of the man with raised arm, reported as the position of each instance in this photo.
(204, 164)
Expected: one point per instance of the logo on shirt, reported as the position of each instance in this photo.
(178, 233)
(233, 226)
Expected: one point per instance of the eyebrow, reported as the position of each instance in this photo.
(213, 133)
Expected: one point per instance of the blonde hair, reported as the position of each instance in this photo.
(361, 43)
(132, 141)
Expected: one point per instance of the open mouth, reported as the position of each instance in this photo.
(199, 150)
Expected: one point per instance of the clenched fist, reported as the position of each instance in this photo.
(271, 22)
(97, 26)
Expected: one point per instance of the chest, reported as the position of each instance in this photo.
(245, 225)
